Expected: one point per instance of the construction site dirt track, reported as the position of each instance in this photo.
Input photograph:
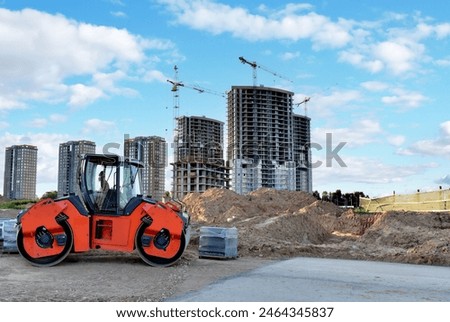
(272, 225)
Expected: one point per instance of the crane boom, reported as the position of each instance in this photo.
(254, 65)
(305, 100)
(194, 87)
(176, 84)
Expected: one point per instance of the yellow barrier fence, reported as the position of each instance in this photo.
(421, 201)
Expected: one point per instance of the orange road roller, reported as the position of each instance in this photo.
(108, 214)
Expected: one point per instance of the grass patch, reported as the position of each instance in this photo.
(16, 204)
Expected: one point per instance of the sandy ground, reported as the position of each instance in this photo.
(271, 225)
(97, 276)
(112, 276)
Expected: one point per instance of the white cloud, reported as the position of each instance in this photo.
(400, 50)
(106, 82)
(442, 30)
(442, 62)
(404, 151)
(398, 57)
(326, 105)
(155, 75)
(288, 10)
(286, 24)
(58, 118)
(117, 3)
(404, 99)
(7, 103)
(440, 146)
(118, 14)
(42, 122)
(361, 60)
(38, 123)
(41, 52)
(83, 95)
(375, 86)
(362, 170)
(396, 140)
(357, 134)
(431, 147)
(290, 55)
(98, 126)
(445, 130)
(394, 43)
(445, 179)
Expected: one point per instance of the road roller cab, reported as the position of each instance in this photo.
(110, 214)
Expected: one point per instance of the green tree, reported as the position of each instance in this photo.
(50, 194)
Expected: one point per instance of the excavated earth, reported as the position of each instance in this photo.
(279, 224)
(272, 225)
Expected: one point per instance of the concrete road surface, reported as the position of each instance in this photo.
(330, 280)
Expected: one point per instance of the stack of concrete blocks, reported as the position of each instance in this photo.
(218, 242)
(8, 236)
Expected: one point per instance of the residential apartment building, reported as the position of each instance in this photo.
(152, 151)
(20, 172)
(302, 152)
(268, 145)
(198, 156)
(68, 163)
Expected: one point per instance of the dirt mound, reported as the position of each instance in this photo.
(222, 206)
(423, 237)
(268, 221)
(295, 227)
(275, 224)
(407, 229)
(211, 205)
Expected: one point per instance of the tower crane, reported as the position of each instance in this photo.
(175, 89)
(176, 84)
(305, 100)
(254, 65)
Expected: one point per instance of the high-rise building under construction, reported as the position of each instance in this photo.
(268, 145)
(152, 151)
(198, 156)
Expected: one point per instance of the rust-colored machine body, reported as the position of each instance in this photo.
(110, 214)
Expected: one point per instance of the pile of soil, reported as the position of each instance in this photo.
(280, 224)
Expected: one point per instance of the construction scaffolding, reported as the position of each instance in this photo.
(421, 201)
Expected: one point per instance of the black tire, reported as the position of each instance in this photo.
(49, 260)
(154, 260)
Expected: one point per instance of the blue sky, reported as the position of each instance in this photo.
(376, 73)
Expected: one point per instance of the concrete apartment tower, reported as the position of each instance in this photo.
(68, 163)
(20, 172)
(152, 151)
(198, 156)
(301, 133)
(268, 145)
